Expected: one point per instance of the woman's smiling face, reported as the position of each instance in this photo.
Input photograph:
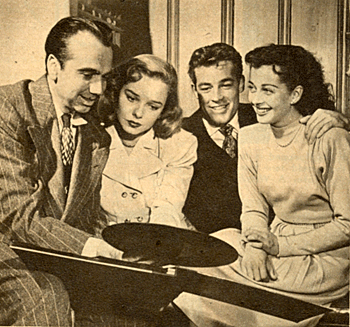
(140, 105)
(271, 99)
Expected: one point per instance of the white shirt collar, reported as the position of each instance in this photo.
(213, 129)
(76, 120)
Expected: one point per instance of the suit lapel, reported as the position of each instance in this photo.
(45, 135)
(89, 161)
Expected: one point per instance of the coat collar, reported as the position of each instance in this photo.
(144, 160)
(42, 101)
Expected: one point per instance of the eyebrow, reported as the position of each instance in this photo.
(133, 93)
(89, 70)
(136, 95)
(227, 80)
(272, 85)
(264, 85)
(156, 102)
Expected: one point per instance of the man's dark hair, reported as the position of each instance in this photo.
(211, 55)
(56, 42)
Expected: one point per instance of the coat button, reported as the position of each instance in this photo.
(134, 195)
(124, 195)
(139, 219)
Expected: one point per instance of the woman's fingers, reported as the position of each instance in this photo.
(271, 269)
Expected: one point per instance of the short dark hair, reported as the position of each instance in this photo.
(213, 54)
(132, 71)
(296, 66)
(56, 41)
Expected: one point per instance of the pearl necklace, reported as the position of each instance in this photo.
(289, 142)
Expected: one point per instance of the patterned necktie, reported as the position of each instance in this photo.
(67, 149)
(67, 144)
(230, 143)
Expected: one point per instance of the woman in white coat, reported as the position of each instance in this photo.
(150, 165)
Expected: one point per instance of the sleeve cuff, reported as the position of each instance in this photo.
(90, 247)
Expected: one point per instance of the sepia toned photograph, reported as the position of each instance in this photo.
(175, 163)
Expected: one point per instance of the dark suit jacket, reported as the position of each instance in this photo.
(213, 202)
(34, 207)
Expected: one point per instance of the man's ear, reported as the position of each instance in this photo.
(241, 84)
(296, 94)
(53, 67)
(194, 90)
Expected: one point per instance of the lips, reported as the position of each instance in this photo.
(88, 101)
(219, 107)
(133, 124)
(261, 111)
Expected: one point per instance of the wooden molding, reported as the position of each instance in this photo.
(173, 19)
(284, 21)
(343, 52)
(227, 21)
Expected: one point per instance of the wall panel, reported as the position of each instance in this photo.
(24, 25)
(314, 26)
(256, 24)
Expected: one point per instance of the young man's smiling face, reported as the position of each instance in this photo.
(218, 88)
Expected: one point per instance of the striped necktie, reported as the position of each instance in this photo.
(230, 142)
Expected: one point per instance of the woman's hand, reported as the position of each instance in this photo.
(257, 265)
(262, 239)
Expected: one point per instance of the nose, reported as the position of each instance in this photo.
(254, 98)
(138, 111)
(98, 85)
(217, 94)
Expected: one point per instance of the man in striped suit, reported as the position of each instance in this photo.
(45, 200)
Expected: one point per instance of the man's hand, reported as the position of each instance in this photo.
(262, 239)
(257, 265)
(321, 121)
(95, 247)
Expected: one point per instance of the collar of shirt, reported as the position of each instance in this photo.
(76, 120)
(147, 141)
(216, 135)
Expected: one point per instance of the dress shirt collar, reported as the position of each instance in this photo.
(76, 120)
(212, 129)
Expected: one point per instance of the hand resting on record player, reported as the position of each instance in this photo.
(96, 247)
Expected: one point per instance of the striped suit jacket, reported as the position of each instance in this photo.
(33, 204)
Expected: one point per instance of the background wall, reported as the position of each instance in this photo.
(178, 27)
(24, 25)
(199, 25)
(313, 24)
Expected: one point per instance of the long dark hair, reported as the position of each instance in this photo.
(296, 66)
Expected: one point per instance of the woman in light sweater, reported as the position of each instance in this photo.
(304, 251)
